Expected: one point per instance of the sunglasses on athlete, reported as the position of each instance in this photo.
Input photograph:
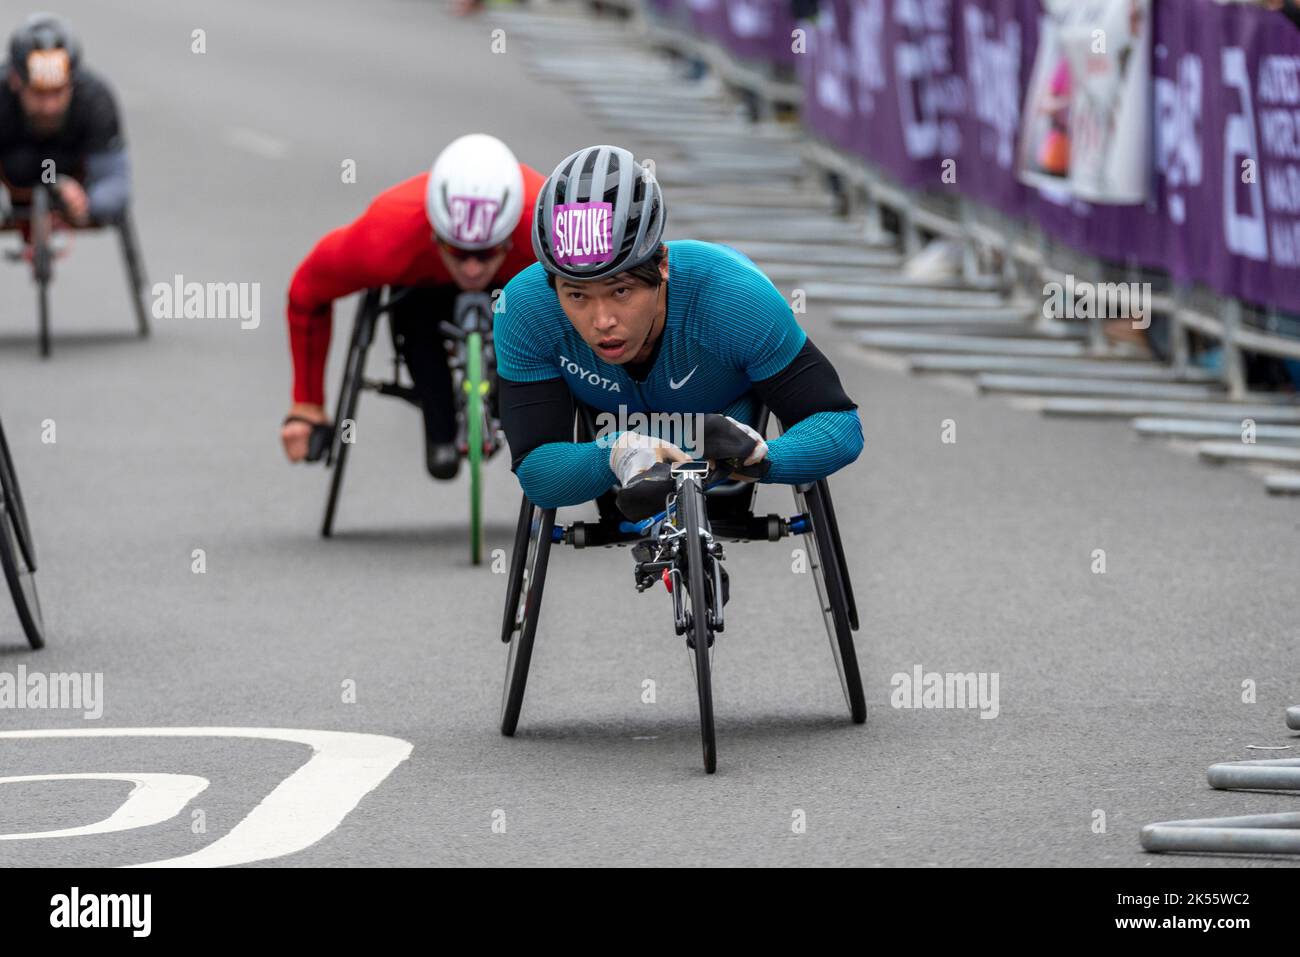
(478, 255)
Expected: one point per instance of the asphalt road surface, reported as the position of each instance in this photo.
(1115, 690)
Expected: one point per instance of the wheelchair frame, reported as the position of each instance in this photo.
(470, 333)
(39, 248)
(537, 531)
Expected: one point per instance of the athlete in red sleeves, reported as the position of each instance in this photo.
(463, 227)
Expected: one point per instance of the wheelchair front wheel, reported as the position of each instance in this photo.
(475, 386)
(42, 263)
(700, 629)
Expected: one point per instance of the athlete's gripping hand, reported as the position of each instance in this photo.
(76, 205)
(642, 465)
(296, 431)
(633, 453)
(733, 444)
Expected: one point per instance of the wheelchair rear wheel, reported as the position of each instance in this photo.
(134, 272)
(17, 551)
(363, 330)
(825, 563)
(523, 605)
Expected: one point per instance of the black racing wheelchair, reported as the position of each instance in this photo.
(472, 361)
(17, 551)
(683, 547)
(46, 238)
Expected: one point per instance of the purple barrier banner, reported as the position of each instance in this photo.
(998, 43)
(1228, 109)
(837, 91)
(910, 86)
(758, 30)
(885, 80)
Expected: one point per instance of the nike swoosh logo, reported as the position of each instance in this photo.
(678, 385)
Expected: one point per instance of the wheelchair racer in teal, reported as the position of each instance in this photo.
(613, 317)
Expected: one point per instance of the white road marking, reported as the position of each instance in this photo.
(255, 141)
(154, 799)
(302, 809)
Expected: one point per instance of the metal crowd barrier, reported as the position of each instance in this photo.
(1247, 834)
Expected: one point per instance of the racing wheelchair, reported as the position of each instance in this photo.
(17, 552)
(46, 237)
(472, 361)
(682, 546)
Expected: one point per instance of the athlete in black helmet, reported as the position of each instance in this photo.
(59, 125)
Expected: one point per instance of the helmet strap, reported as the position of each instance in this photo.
(663, 286)
(649, 332)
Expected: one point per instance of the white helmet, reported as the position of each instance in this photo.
(476, 192)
